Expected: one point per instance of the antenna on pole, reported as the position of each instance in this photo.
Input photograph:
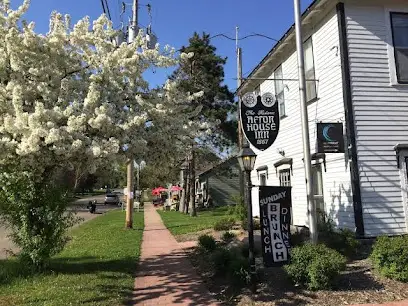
(236, 38)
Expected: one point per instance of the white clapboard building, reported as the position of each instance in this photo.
(357, 53)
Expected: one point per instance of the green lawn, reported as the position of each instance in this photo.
(179, 223)
(96, 268)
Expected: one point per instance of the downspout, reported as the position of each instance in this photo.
(350, 130)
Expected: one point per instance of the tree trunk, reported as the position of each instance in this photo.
(193, 184)
(187, 195)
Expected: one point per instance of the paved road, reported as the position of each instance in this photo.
(79, 206)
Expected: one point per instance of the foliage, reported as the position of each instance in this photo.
(205, 72)
(343, 240)
(315, 266)
(36, 214)
(179, 224)
(82, 273)
(228, 237)
(231, 264)
(76, 99)
(390, 257)
(239, 209)
(220, 259)
(224, 224)
(207, 242)
(73, 99)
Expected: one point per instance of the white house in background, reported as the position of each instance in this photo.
(357, 51)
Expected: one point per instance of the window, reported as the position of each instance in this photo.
(284, 177)
(311, 92)
(317, 189)
(262, 179)
(399, 25)
(279, 90)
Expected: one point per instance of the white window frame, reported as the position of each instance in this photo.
(287, 170)
(282, 92)
(263, 174)
(311, 99)
(390, 43)
(403, 158)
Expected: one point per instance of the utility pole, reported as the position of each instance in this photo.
(130, 166)
(239, 80)
(134, 26)
(129, 198)
(305, 124)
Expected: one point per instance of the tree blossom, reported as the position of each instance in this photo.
(74, 97)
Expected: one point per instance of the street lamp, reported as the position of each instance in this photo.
(183, 169)
(246, 158)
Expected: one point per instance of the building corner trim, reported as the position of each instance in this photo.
(350, 128)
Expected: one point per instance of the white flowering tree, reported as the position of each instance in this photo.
(74, 98)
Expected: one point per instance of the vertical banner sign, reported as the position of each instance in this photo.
(275, 207)
(330, 138)
(260, 119)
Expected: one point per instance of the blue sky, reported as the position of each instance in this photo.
(174, 21)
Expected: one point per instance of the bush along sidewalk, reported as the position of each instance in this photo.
(390, 257)
(225, 260)
(315, 267)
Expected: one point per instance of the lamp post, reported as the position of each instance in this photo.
(183, 169)
(246, 159)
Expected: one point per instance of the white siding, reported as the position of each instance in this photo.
(381, 117)
(328, 107)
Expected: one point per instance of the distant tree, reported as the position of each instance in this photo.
(205, 72)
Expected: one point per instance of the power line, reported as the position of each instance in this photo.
(103, 6)
(107, 8)
(245, 37)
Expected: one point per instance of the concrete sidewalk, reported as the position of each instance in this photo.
(165, 275)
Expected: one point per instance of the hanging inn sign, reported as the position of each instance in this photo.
(260, 119)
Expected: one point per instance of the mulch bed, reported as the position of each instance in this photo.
(359, 284)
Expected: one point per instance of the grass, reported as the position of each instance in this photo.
(96, 268)
(179, 224)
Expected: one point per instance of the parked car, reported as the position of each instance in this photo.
(111, 198)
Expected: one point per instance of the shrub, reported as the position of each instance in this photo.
(297, 239)
(315, 266)
(239, 209)
(224, 224)
(238, 271)
(228, 236)
(231, 264)
(343, 240)
(220, 260)
(390, 257)
(207, 242)
(35, 210)
(257, 224)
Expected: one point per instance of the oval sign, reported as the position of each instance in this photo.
(260, 119)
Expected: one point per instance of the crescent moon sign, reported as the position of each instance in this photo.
(326, 130)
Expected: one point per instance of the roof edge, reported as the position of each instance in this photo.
(305, 14)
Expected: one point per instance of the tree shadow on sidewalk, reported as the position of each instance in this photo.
(171, 276)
